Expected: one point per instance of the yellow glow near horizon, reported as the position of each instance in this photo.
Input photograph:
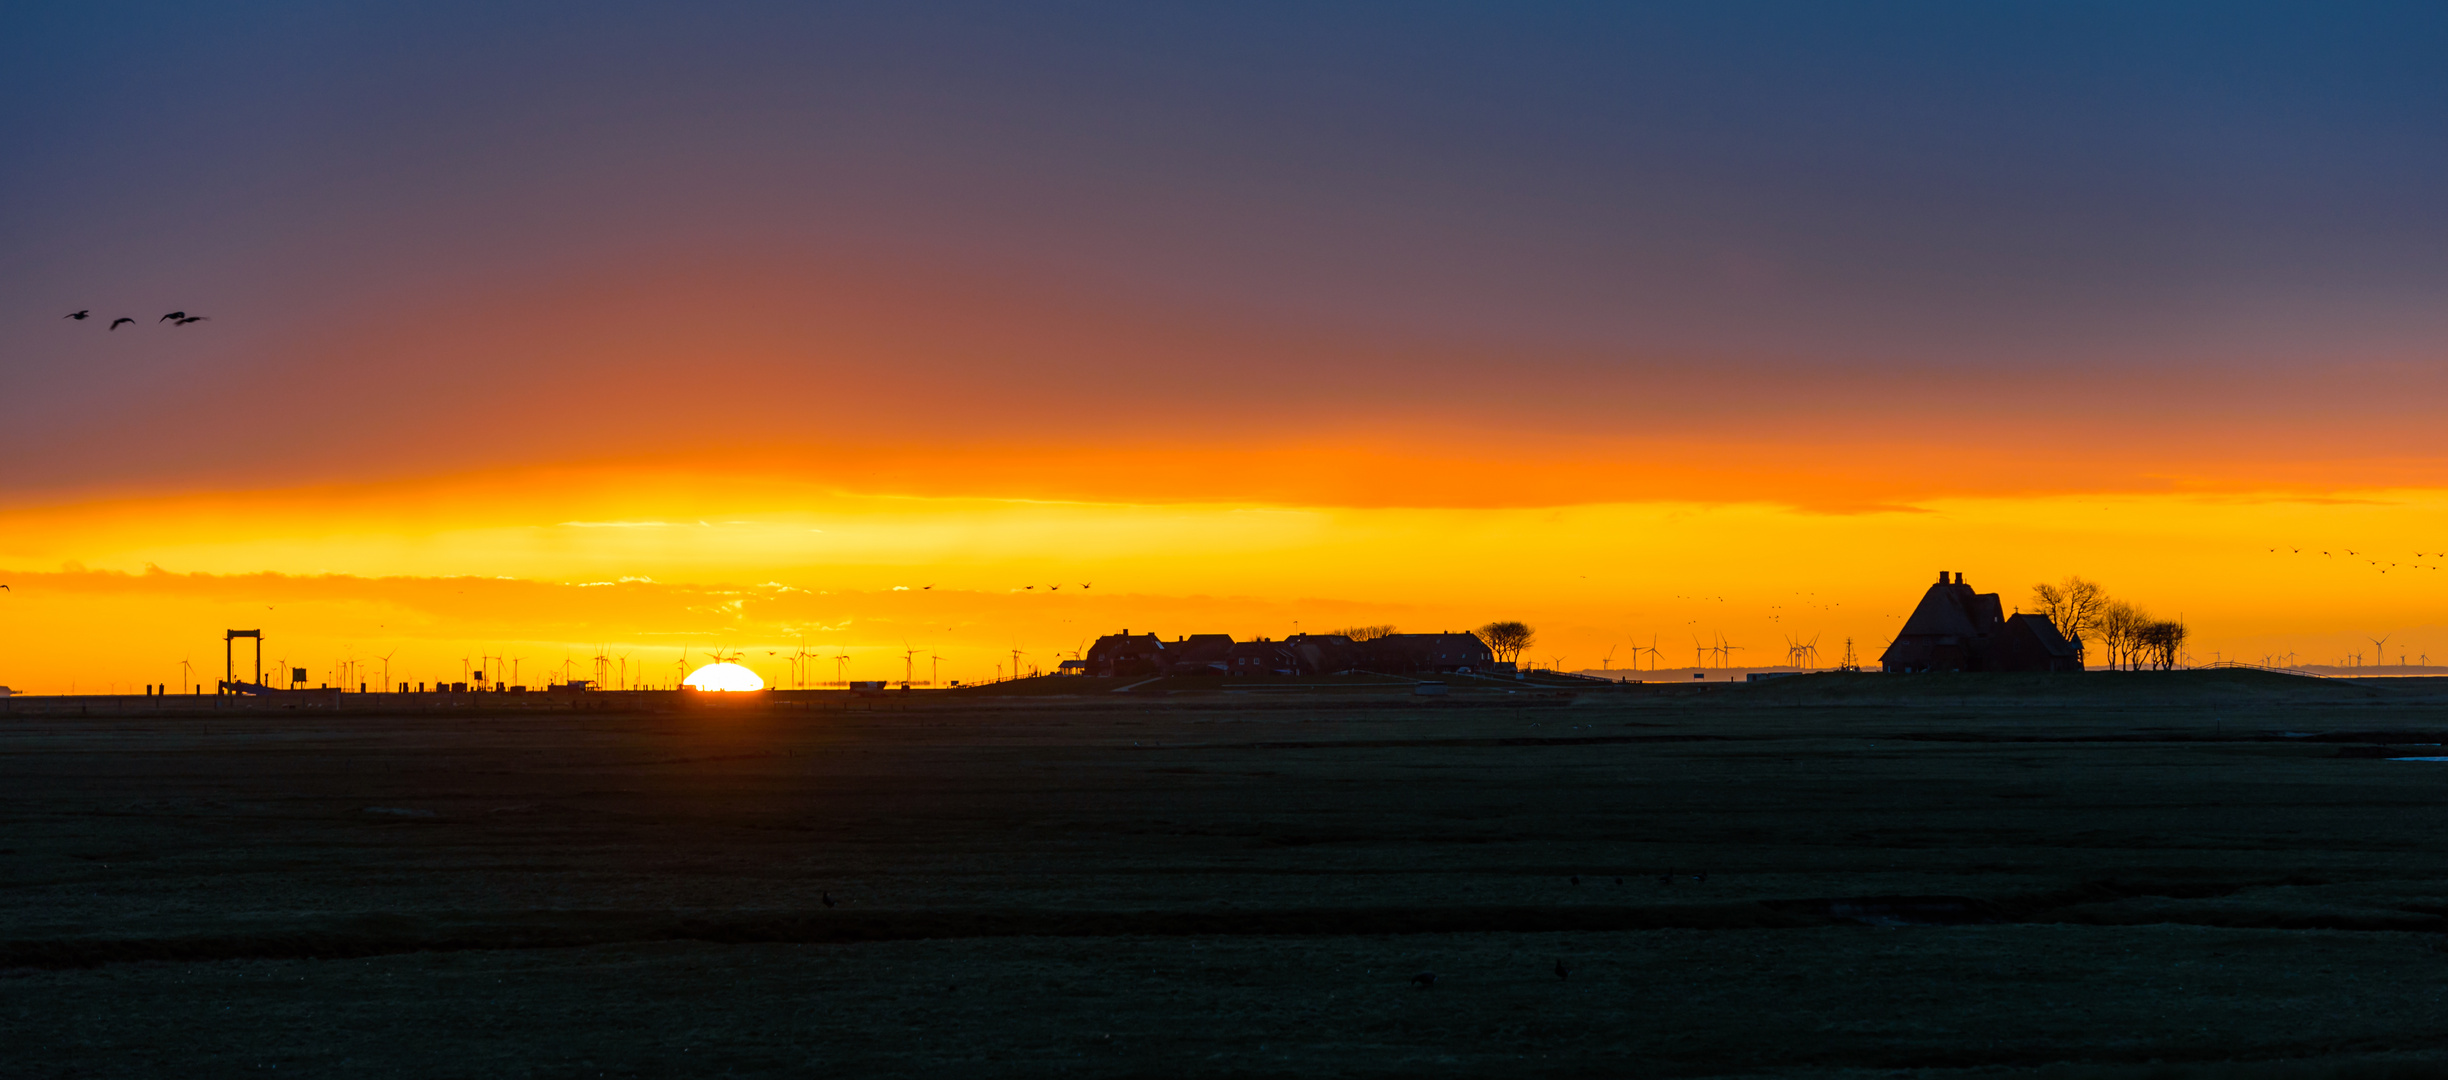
(117, 594)
(723, 677)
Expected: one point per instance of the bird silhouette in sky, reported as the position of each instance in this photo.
(1562, 969)
(188, 319)
(925, 588)
(1083, 584)
(1052, 588)
(1028, 586)
(172, 315)
(78, 315)
(121, 320)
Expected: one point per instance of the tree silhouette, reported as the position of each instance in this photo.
(2072, 606)
(1507, 639)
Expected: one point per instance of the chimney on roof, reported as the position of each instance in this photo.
(1942, 579)
(1958, 577)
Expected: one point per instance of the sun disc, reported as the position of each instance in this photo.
(723, 677)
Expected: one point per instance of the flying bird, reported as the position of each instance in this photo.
(188, 319)
(172, 315)
(1562, 969)
(1424, 980)
(828, 898)
(78, 315)
(1083, 584)
(115, 323)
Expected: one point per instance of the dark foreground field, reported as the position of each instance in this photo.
(2188, 874)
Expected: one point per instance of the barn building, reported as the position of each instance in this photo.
(1127, 654)
(1956, 629)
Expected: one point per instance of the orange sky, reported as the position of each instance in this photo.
(548, 565)
(548, 332)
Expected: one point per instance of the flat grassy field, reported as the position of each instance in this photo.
(2179, 874)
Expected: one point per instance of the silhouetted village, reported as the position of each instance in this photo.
(1128, 654)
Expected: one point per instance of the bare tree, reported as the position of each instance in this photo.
(2160, 644)
(1367, 633)
(2120, 626)
(2072, 606)
(1507, 639)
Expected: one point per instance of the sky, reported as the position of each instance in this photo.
(550, 331)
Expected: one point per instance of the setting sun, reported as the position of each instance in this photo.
(724, 676)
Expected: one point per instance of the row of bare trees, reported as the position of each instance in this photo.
(2127, 636)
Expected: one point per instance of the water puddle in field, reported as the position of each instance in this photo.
(2419, 759)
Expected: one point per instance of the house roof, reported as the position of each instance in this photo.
(2044, 632)
(1943, 612)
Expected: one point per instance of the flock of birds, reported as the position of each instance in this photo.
(175, 318)
(2375, 563)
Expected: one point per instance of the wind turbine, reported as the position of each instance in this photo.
(1603, 661)
(841, 670)
(186, 674)
(386, 659)
(2380, 650)
(935, 677)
